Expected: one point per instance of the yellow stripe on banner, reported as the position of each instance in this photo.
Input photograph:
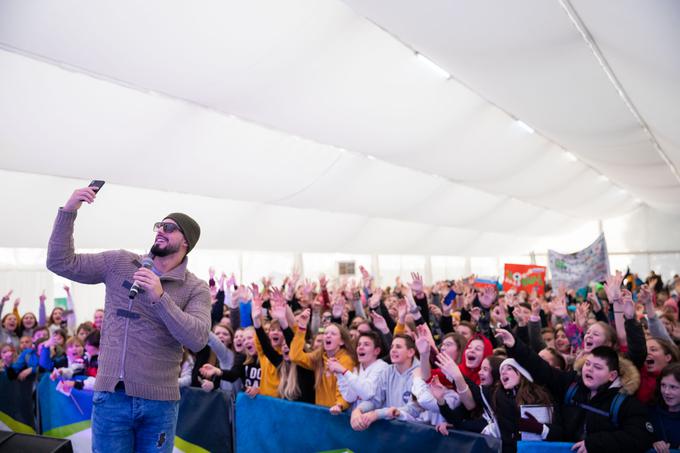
(14, 425)
(65, 431)
(188, 447)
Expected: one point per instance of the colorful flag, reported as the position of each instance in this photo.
(524, 277)
(484, 281)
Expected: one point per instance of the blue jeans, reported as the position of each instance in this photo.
(122, 423)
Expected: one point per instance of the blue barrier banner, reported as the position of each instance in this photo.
(16, 405)
(525, 446)
(271, 424)
(556, 447)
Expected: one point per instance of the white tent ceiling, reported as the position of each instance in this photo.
(530, 59)
(301, 125)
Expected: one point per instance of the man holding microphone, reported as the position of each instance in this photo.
(136, 397)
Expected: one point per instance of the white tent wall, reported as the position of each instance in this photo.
(27, 284)
(640, 241)
(393, 266)
(445, 266)
(643, 230)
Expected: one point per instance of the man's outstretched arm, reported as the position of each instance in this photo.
(61, 256)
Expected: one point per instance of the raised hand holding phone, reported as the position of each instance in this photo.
(86, 194)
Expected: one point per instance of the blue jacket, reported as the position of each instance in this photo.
(27, 359)
(49, 363)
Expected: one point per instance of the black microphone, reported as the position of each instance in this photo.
(147, 263)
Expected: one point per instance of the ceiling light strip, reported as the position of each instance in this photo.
(597, 53)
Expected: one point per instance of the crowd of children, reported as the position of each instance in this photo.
(598, 367)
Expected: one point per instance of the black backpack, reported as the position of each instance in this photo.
(614, 408)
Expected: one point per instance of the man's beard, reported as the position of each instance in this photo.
(156, 249)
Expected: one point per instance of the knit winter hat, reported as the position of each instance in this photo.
(189, 228)
(520, 369)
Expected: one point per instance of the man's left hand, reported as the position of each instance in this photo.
(149, 282)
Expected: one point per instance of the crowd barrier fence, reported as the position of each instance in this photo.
(207, 421)
(271, 424)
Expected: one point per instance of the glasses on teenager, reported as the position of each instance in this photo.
(166, 227)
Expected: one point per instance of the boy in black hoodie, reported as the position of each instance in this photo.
(589, 409)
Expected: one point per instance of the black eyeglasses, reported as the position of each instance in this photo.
(166, 227)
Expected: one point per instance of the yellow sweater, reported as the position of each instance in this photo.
(269, 382)
(327, 392)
